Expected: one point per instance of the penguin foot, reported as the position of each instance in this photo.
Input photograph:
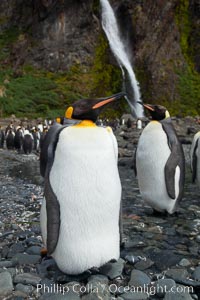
(122, 244)
(176, 214)
(43, 252)
(157, 213)
(94, 271)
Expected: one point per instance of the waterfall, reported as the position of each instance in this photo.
(109, 24)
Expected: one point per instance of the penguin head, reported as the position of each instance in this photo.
(157, 112)
(89, 109)
(60, 120)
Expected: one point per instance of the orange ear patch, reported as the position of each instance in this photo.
(69, 112)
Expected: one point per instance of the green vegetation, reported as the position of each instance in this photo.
(189, 79)
(106, 77)
(34, 92)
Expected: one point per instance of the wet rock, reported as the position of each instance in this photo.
(15, 226)
(170, 231)
(12, 271)
(18, 295)
(94, 279)
(99, 291)
(46, 285)
(163, 286)
(27, 278)
(15, 248)
(134, 296)
(33, 242)
(57, 296)
(25, 259)
(45, 266)
(177, 274)
(113, 270)
(4, 252)
(196, 274)
(75, 287)
(6, 264)
(164, 259)
(27, 289)
(184, 262)
(177, 296)
(134, 244)
(155, 229)
(198, 238)
(6, 285)
(34, 250)
(138, 278)
(62, 278)
(144, 264)
(23, 235)
(194, 250)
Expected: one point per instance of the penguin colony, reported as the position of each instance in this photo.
(81, 211)
(23, 139)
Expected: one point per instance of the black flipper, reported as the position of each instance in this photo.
(53, 217)
(49, 138)
(121, 225)
(52, 204)
(175, 159)
(134, 163)
(194, 161)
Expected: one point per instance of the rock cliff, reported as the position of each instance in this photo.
(51, 37)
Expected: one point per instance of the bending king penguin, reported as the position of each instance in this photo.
(82, 195)
(160, 162)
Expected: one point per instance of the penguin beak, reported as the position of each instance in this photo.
(104, 101)
(147, 106)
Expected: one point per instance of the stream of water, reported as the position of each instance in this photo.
(110, 26)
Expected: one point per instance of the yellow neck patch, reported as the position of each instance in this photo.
(86, 123)
(69, 112)
(167, 115)
(58, 120)
(154, 121)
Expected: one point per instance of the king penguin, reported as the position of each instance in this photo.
(195, 158)
(160, 163)
(82, 194)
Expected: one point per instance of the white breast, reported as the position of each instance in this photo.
(85, 178)
(152, 154)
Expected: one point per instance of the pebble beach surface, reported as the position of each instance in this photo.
(160, 258)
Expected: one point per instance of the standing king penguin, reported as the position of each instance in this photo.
(160, 163)
(195, 158)
(82, 194)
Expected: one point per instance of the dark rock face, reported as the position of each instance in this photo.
(195, 36)
(66, 35)
(61, 33)
(58, 34)
(155, 45)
